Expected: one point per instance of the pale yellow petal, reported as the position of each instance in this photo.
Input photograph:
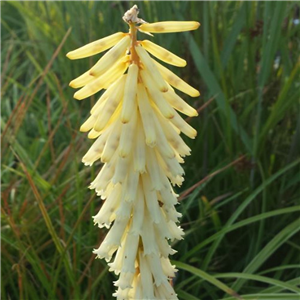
(151, 68)
(101, 82)
(128, 134)
(93, 134)
(174, 179)
(109, 58)
(96, 47)
(106, 214)
(131, 185)
(129, 98)
(170, 26)
(139, 154)
(157, 96)
(116, 265)
(148, 237)
(90, 122)
(173, 137)
(94, 153)
(162, 144)
(130, 252)
(176, 81)
(110, 106)
(166, 194)
(179, 104)
(146, 278)
(138, 211)
(124, 210)
(153, 169)
(151, 199)
(163, 54)
(99, 102)
(112, 142)
(175, 230)
(82, 80)
(121, 169)
(170, 164)
(146, 113)
(104, 177)
(104, 96)
(163, 245)
(158, 274)
(183, 126)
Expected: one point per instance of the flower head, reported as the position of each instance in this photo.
(137, 129)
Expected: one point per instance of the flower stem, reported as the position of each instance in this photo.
(133, 55)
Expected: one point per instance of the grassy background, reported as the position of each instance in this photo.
(240, 199)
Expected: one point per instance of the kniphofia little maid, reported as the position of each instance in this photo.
(137, 129)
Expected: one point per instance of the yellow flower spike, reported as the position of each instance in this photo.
(169, 26)
(129, 99)
(137, 130)
(163, 54)
(176, 81)
(151, 68)
(96, 47)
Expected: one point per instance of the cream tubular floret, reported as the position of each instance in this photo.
(169, 26)
(96, 47)
(163, 54)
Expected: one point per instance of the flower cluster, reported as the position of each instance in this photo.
(137, 130)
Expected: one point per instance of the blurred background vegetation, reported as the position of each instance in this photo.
(240, 199)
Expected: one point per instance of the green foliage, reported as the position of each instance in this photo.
(240, 221)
